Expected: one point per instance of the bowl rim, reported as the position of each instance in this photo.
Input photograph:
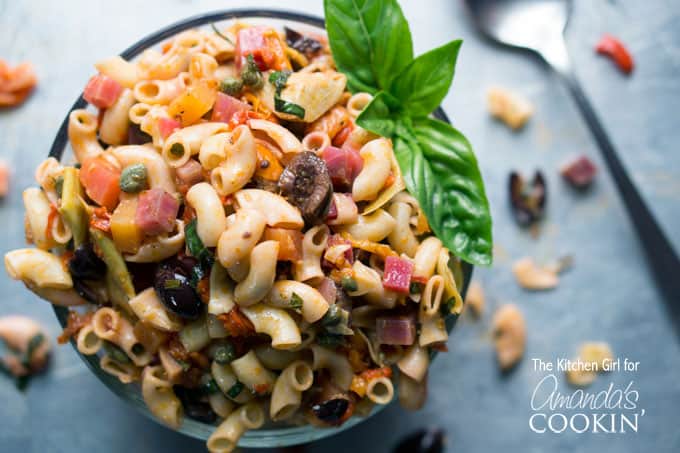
(256, 438)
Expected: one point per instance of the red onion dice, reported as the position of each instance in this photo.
(580, 172)
(396, 330)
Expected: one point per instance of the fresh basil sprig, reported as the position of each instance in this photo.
(371, 44)
(279, 79)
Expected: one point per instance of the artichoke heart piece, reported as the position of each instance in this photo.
(316, 92)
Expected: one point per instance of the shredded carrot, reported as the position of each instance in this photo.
(389, 181)
(382, 250)
(261, 389)
(375, 373)
(167, 45)
(189, 214)
(272, 169)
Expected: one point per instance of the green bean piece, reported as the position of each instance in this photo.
(117, 271)
(208, 385)
(231, 86)
(133, 178)
(72, 209)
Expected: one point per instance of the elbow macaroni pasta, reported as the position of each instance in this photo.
(213, 275)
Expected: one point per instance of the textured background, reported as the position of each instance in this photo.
(607, 296)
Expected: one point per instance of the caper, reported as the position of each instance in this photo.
(231, 86)
(133, 179)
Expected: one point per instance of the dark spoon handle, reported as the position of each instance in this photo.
(660, 253)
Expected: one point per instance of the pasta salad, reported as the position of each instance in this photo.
(232, 240)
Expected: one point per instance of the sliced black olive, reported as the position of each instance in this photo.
(331, 411)
(429, 440)
(193, 407)
(85, 264)
(305, 182)
(87, 293)
(305, 45)
(527, 199)
(175, 291)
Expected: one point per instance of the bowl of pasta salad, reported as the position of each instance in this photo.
(227, 248)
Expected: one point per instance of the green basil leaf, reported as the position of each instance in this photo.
(422, 85)
(288, 107)
(379, 116)
(370, 40)
(440, 170)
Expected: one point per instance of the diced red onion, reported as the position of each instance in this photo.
(332, 211)
(343, 165)
(580, 172)
(328, 290)
(396, 330)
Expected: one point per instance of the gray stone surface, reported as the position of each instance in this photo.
(607, 296)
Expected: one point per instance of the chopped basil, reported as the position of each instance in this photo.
(235, 390)
(296, 301)
(330, 340)
(447, 306)
(415, 288)
(197, 249)
(279, 79)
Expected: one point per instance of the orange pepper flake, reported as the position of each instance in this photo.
(375, 373)
(203, 289)
(389, 181)
(74, 323)
(261, 389)
(167, 45)
(439, 347)
(101, 219)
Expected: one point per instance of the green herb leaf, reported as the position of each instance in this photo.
(288, 107)
(441, 171)
(235, 389)
(379, 116)
(423, 84)
(330, 340)
(221, 35)
(197, 249)
(370, 40)
(296, 301)
(279, 79)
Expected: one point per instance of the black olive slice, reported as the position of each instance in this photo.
(305, 182)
